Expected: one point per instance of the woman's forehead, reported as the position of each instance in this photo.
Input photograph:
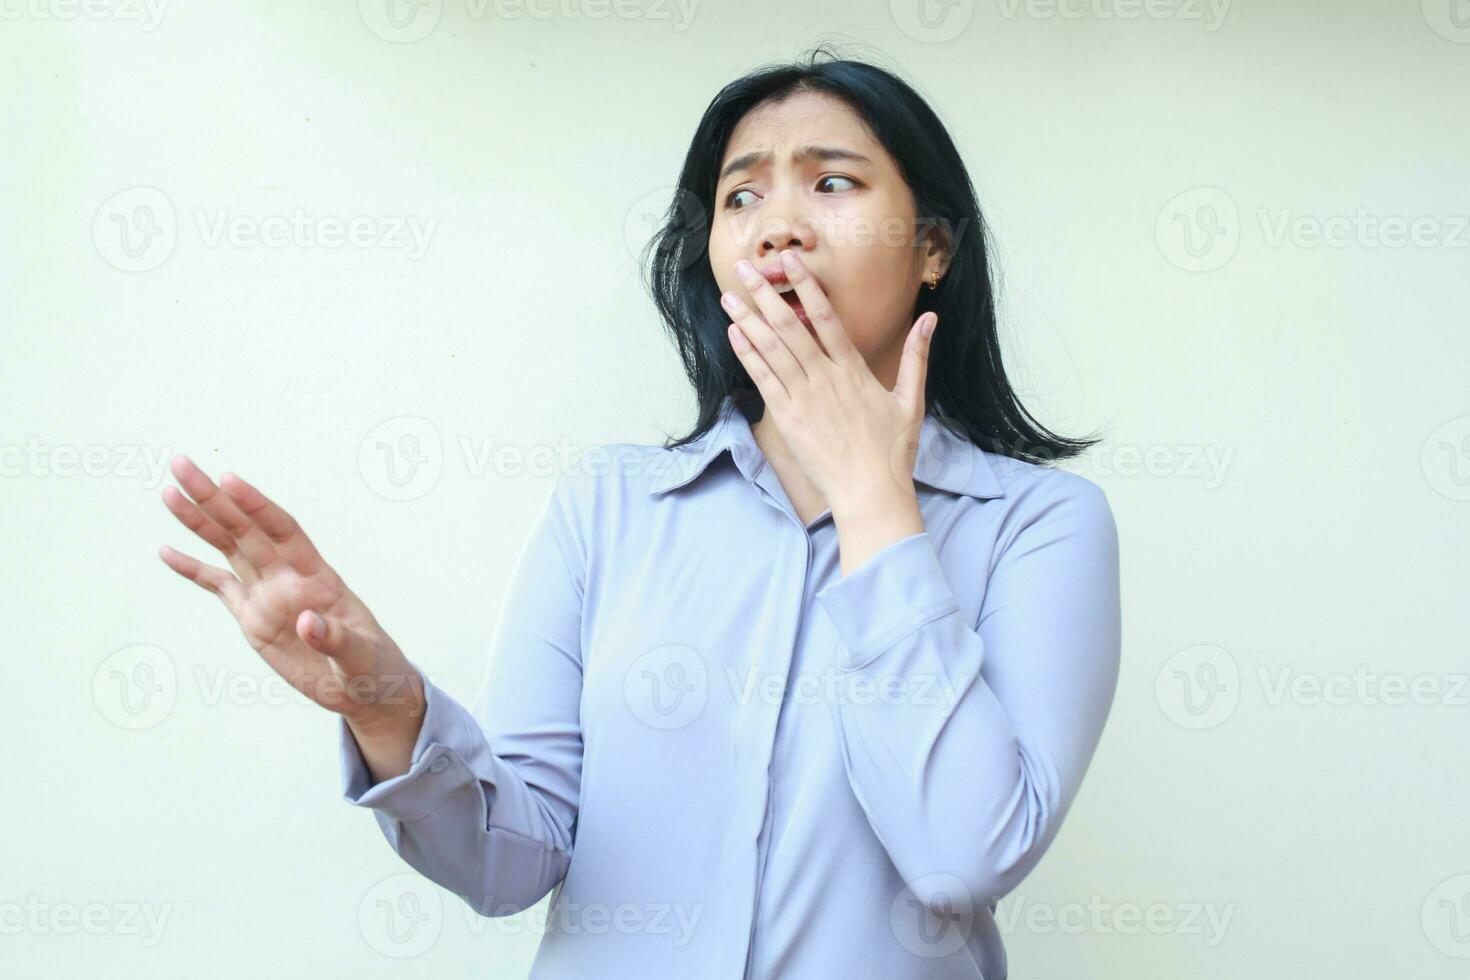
(816, 119)
(837, 135)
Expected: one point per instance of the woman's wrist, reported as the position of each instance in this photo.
(397, 709)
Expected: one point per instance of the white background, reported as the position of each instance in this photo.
(1288, 452)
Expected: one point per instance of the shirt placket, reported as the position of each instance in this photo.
(764, 737)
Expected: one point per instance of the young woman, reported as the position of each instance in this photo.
(802, 694)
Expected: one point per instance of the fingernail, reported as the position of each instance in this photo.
(928, 327)
(745, 269)
(788, 259)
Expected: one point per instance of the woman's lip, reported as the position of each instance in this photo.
(775, 274)
(794, 301)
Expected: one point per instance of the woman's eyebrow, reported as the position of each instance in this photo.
(801, 154)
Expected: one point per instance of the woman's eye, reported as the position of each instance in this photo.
(730, 198)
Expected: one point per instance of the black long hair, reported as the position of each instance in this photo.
(967, 389)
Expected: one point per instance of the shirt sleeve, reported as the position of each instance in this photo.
(967, 764)
(488, 806)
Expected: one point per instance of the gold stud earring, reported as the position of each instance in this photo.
(934, 279)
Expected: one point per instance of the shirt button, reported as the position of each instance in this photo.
(440, 764)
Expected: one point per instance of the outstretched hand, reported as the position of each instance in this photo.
(293, 608)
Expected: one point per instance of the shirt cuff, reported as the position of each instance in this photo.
(899, 589)
(436, 767)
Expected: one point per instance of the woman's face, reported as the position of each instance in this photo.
(847, 213)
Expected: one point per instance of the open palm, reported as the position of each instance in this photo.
(282, 592)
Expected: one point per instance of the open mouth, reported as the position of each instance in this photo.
(794, 301)
(796, 307)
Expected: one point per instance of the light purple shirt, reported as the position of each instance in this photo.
(733, 762)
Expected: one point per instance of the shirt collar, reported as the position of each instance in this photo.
(945, 461)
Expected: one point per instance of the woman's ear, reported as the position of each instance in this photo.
(935, 243)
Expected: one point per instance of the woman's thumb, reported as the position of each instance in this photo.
(330, 636)
(318, 631)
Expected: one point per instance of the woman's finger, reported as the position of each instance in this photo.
(252, 542)
(908, 388)
(781, 319)
(770, 386)
(278, 525)
(829, 330)
(191, 516)
(355, 653)
(229, 589)
(766, 340)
